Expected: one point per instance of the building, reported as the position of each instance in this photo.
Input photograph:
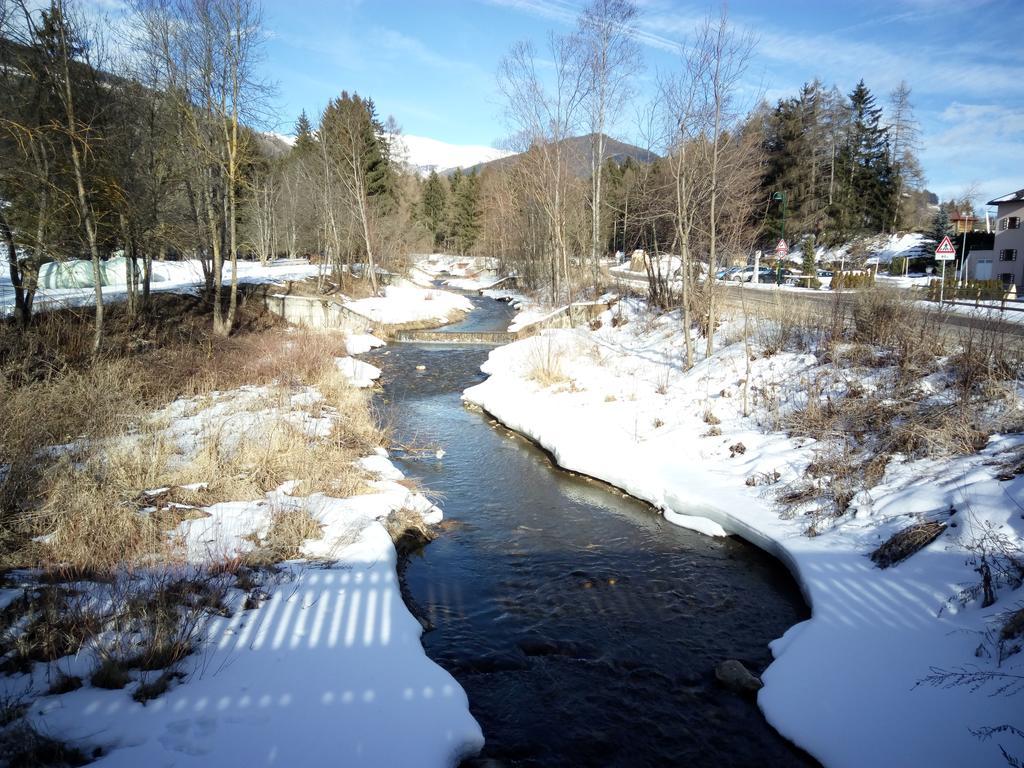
(963, 222)
(1005, 261)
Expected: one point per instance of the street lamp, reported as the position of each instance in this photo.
(781, 196)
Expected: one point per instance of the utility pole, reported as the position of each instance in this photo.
(778, 257)
(963, 252)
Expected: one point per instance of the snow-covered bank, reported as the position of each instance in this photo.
(616, 405)
(464, 273)
(327, 669)
(405, 303)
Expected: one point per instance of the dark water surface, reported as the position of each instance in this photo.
(584, 627)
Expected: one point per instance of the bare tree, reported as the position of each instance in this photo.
(542, 120)
(684, 120)
(209, 49)
(610, 59)
(58, 62)
(717, 60)
(904, 142)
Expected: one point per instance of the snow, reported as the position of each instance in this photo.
(168, 276)
(464, 273)
(360, 374)
(406, 302)
(425, 154)
(358, 343)
(843, 684)
(328, 669)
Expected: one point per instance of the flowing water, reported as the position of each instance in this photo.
(583, 626)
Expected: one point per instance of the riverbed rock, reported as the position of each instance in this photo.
(734, 676)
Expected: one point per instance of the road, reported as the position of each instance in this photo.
(954, 323)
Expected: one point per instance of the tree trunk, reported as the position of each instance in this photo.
(21, 308)
(83, 200)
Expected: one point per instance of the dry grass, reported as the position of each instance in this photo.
(545, 363)
(882, 336)
(906, 542)
(118, 451)
(407, 530)
(289, 529)
(45, 625)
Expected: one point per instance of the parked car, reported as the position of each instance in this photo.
(726, 273)
(746, 275)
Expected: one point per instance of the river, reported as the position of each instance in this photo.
(583, 626)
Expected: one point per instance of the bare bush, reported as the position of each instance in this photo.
(906, 542)
(545, 363)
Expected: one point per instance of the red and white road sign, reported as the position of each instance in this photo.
(782, 248)
(945, 251)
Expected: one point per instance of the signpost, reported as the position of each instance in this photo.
(781, 251)
(945, 252)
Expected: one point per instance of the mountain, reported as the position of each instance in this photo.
(578, 154)
(425, 155)
(275, 144)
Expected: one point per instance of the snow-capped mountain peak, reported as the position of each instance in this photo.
(425, 154)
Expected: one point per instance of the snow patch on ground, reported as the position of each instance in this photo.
(406, 302)
(360, 374)
(358, 343)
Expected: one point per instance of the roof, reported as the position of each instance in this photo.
(1013, 197)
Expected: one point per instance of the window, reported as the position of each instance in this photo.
(1009, 222)
(1008, 254)
(1006, 277)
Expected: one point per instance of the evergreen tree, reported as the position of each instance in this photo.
(304, 141)
(809, 265)
(940, 227)
(870, 182)
(434, 207)
(467, 213)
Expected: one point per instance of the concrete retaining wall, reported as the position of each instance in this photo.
(317, 312)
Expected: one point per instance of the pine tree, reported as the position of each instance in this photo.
(304, 141)
(434, 207)
(940, 227)
(467, 213)
(809, 265)
(871, 185)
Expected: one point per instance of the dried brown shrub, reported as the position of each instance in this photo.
(906, 542)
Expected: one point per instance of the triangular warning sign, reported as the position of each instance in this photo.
(945, 248)
(782, 248)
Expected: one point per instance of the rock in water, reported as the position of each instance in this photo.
(733, 675)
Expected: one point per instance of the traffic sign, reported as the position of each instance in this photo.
(782, 249)
(945, 251)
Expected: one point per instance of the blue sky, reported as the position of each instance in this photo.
(432, 64)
